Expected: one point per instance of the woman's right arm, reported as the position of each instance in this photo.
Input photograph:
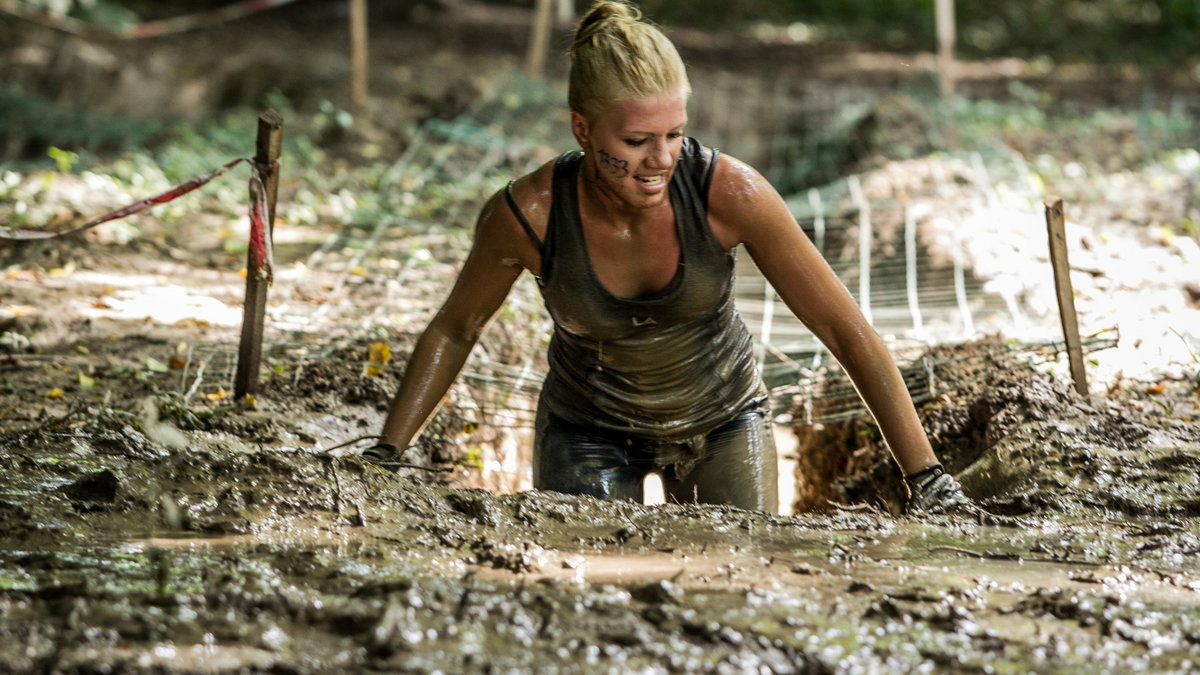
(498, 255)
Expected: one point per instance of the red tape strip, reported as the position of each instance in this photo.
(261, 255)
(137, 207)
(145, 29)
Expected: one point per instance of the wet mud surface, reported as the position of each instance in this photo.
(142, 530)
(247, 548)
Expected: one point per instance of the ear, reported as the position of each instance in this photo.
(581, 129)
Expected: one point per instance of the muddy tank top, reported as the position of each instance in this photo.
(669, 366)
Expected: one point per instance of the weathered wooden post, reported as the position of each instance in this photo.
(945, 53)
(539, 41)
(358, 54)
(566, 12)
(1056, 227)
(270, 140)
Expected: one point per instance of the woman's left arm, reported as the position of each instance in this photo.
(745, 209)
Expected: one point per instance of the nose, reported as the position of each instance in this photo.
(661, 156)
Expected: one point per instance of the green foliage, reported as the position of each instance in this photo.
(64, 159)
(106, 12)
(1108, 31)
(30, 125)
(1035, 123)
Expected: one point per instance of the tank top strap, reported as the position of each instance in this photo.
(706, 182)
(516, 210)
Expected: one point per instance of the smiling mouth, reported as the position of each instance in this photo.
(650, 180)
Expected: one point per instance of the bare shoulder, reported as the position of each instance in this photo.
(740, 199)
(499, 231)
(532, 195)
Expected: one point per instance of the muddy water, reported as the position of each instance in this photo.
(251, 550)
(229, 558)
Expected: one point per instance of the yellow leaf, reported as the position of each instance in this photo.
(251, 402)
(378, 355)
(59, 272)
(54, 393)
(80, 349)
(243, 273)
(216, 395)
(359, 270)
(86, 382)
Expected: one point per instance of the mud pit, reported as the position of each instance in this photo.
(204, 537)
(251, 549)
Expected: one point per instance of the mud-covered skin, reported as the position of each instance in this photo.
(282, 558)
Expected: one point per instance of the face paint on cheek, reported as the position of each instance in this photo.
(615, 166)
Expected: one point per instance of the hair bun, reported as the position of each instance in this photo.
(618, 56)
(604, 17)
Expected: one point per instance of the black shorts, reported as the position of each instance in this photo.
(735, 465)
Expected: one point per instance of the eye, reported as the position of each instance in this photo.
(675, 134)
(635, 142)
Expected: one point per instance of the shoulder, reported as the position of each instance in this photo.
(531, 194)
(499, 229)
(740, 199)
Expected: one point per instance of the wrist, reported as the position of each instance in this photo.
(923, 477)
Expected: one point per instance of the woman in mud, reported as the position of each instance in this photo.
(632, 241)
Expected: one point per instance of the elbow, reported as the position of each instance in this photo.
(464, 331)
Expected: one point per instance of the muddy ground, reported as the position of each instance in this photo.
(142, 535)
(149, 523)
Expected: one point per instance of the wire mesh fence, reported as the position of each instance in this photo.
(899, 236)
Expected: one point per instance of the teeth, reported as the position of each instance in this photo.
(650, 180)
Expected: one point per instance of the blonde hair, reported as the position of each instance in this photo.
(617, 56)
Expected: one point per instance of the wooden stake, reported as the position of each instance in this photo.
(945, 55)
(270, 139)
(358, 54)
(566, 12)
(1056, 227)
(539, 41)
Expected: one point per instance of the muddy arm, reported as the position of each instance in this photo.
(745, 209)
(484, 282)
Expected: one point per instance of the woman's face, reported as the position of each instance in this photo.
(632, 147)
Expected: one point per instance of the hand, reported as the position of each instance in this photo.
(381, 453)
(935, 491)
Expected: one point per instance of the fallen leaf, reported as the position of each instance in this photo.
(54, 393)
(217, 395)
(177, 363)
(155, 365)
(86, 382)
(378, 356)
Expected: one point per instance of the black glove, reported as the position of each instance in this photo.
(381, 453)
(935, 491)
